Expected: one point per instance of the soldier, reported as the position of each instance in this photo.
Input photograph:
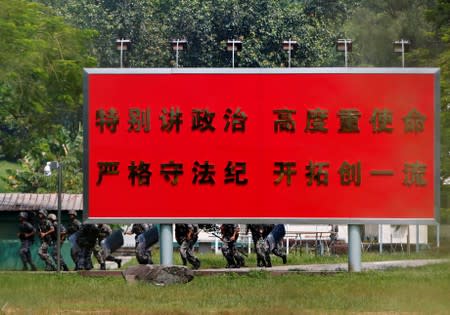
(26, 235)
(146, 236)
(72, 233)
(186, 236)
(230, 234)
(143, 248)
(86, 240)
(274, 244)
(333, 237)
(46, 229)
(138, 229)
(101, 253)
(259, 234)
(54, 243)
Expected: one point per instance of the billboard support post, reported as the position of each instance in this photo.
(354, 248)
(166, 245)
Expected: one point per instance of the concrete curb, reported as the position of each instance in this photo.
(316, 269)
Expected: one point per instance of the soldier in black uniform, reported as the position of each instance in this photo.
(274, 244)
(72, 234)
(259, 234)
(26, 235)
(230, 234)
(87, 236)
(45, 228)
(54, 243)
(186, 236)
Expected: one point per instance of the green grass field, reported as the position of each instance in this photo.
(421, 290)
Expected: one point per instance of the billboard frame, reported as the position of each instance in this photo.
(145, 71)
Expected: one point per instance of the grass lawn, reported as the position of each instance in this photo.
(211, 260)
(419, 290)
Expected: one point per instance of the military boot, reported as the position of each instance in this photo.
(33, 267)
(240, 262)
(259, 262)
(102, 266)
(268, 261)
(284, 259)
(118, 262)
(25, 267)
(196, 264)
(230, 262)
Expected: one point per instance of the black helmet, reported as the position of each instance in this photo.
(23, 215)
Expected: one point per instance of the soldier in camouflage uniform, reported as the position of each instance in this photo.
(26, 235)
(259, 233)
(186, 236)
(54, 243)
(72, 234)
(45, 228)
(104, 230)
(230, 234)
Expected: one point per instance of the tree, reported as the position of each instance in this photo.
(439, 16)
(58, 146)
(40, 86)
(375, 24)
(207, 25)
(134, 20)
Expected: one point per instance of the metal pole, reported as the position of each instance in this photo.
(216, 246)
(176, 54)
(408, 241)
(287, 246)
(232, 55)
(346, 62)
(380, 237)
(58, 228)
(417, 238)
(438, 232)
(289, 54)
(354, 248)
(121, 53)
(403, 53)
(166, 245)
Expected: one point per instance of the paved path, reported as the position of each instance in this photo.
(327, 268)
(286, 269)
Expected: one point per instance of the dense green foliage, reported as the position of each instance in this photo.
(46, 43)
(40, 83)
(261, 24)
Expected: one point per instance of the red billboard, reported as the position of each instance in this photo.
(293, 145)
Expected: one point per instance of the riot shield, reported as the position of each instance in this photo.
(278, 232)
(151, 236)
(114, 241)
